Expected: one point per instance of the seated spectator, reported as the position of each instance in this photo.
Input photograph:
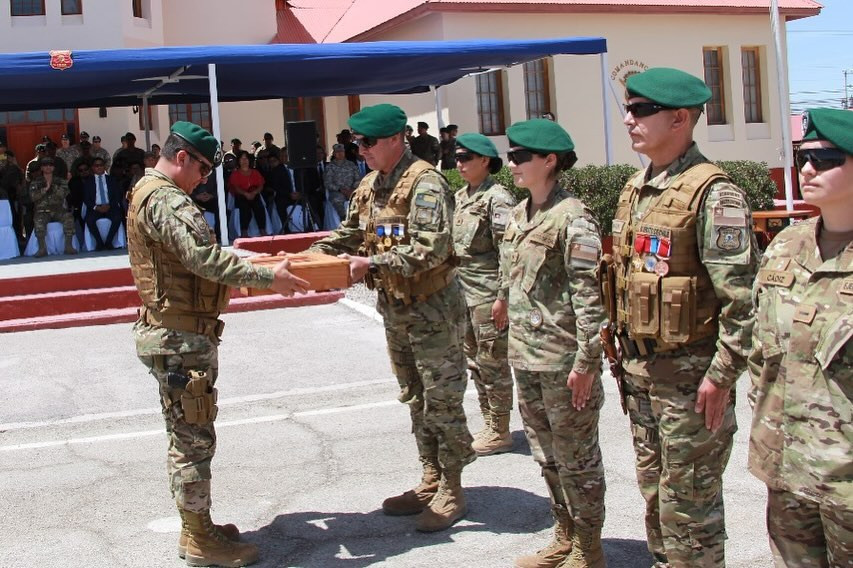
(205, 196)
(341, 179)
(84, 156)
(246, 184)
(49, 193)
(60, 168)
(102, 196)
(80, 174)
(12, 186)
(281, 183)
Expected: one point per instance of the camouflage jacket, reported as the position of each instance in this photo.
(49, 198)
(801, 365)
(341, 176)
(479, 222)
(68, 155)
(731, 273)
(172, 219)
(101, 153)
(551, 264)
(430, 241)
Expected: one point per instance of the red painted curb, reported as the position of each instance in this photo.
(128, 315)
(111, 278)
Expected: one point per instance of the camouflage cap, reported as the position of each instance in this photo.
(832, 125)
(669, 87)
(478, 144)
(540, 135)
(378, 121)
(200, 139)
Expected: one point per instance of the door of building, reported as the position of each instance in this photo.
(24, 137)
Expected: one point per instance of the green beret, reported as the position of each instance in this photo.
(540, 135)
(478, 144)
(669, 87)
(200, 139)
(830, 124)
(378, 121)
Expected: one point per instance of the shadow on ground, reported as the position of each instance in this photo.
(316, 539)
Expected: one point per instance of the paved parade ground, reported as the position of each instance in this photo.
(311, 440)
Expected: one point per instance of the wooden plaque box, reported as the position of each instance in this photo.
(322, 271)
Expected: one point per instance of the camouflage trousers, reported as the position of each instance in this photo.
(42, 217)
(680, 465)
(191, 446)
(486, 350)
(808, 534)
(425, 347)
(566, 440)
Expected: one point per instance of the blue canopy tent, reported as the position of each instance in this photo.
(162, 75)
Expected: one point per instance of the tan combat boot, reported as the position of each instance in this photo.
(69, 246)
(230, 531)
(207, 546)
(415, 500)
(558, 549)
(447, 507)
(586, 550)
(495, 439)
(42, 251)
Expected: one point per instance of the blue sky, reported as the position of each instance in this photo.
(819, 49)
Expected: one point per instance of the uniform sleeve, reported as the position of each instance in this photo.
(500, 211)
(430, 220)
(582, 253)
(180, 227)
(37, 191)
(729, 251)
(347, 238)
(755, 360)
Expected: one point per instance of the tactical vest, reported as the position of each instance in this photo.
(671, 307)
(172, 296)
(388, 228)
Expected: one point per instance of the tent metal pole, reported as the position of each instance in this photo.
(608, 143)
(784, 104)
(145, 108)
(437, 99)
(220, 177)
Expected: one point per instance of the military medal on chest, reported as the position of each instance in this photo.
(652, 253)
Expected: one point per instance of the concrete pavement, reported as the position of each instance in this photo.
(311, 439)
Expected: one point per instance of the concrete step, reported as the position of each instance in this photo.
(68, 302)
(128, 314)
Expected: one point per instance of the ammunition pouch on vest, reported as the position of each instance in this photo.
(655, 312)
(388, 228)
(172, 296)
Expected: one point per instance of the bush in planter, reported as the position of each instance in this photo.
(599, 186)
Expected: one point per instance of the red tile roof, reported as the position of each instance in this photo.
(347, 20)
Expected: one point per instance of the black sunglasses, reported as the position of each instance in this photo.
(465, 156)
(365, 141)
(519, 157)
(641, 110)
(203, 168)
(821, 159)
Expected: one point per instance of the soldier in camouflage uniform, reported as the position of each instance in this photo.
(66, 152)
(551, 263)
(685, 258)
(183, 278)
(399, 224)
(479, 220)
(802, 360)
(49, 194)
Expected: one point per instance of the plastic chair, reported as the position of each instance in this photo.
(331, 219)
(54, 239)
(8, 240)
(119, 241)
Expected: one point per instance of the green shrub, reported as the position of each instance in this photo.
(599, 186)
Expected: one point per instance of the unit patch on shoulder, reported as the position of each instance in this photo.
(426, 200)
(500, 217)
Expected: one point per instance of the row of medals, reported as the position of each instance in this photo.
(398, 231)
(652, 262)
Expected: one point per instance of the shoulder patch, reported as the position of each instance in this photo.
(584, 252)
(500, 216)
(426, 200)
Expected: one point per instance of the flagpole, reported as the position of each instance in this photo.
(784, 104)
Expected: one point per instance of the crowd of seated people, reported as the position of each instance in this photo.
(260, 185)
